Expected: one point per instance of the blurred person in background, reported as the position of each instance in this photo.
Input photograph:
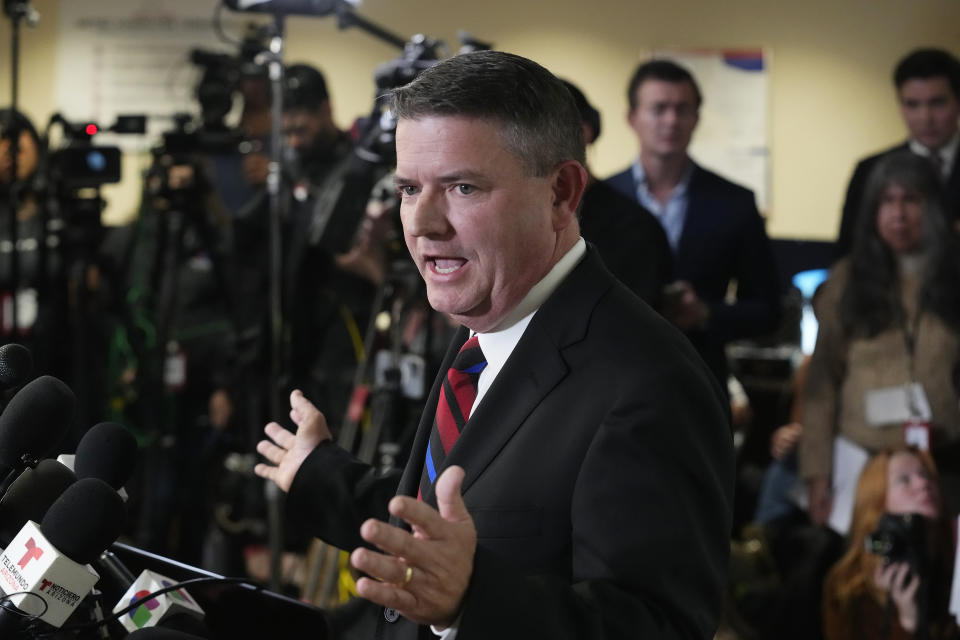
(889, 331)
(897, 595)
(714, 229)
(928, 92)
(631, 242)
(38, 283)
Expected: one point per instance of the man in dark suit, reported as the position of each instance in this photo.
(716, 233)
(575, 478)
(928, 90)
(627, 236)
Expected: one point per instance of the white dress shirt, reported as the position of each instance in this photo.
(947, 153)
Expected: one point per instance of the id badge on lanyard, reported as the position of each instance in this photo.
(916, 428)
(916, 433)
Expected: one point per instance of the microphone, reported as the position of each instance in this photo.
(34, 421)
(107, 451)
(30, 496)
(287, 7)
(42, 570)
(176, 605)
(16, 363)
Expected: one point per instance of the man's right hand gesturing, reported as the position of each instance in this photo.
(287, 451)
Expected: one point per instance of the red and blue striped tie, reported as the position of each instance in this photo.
(457, 395)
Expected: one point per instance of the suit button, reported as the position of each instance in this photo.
(391, 615)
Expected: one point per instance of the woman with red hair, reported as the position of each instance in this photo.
(867, 595)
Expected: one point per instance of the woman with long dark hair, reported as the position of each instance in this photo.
(889, 331)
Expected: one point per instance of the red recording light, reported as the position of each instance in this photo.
(91, 129)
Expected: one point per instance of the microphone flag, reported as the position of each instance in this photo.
(38, 573)
(154, 611)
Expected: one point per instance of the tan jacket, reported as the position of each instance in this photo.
(842, 371)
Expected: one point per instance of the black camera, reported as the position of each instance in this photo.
(900, 538)
(222, 76)
(88, 166)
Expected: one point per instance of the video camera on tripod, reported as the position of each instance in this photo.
(74, 172)
(79, 163)
(223, 76)
(176, 172)
(378, 131)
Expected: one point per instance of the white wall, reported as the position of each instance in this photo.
(831, 94)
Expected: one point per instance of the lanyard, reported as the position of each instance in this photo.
(910, 333)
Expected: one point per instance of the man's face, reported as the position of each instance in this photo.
(26, 157)
(481, 230)
(304, 128)
(665, 117)
(930, 110)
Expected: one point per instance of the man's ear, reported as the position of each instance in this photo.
(569, 183)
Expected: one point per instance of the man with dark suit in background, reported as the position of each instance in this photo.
(928, 91)
(572, 474)
(627, 236)
(716, 233)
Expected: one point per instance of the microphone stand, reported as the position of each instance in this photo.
(274, 59)
(347, 18)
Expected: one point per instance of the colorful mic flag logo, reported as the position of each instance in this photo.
(141, 615)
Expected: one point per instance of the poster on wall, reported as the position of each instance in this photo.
(134, 58)
(732, 138)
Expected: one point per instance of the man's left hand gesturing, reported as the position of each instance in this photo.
(422, 574)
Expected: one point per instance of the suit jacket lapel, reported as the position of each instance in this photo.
(531, 371)
(410, 480)
(534, 368)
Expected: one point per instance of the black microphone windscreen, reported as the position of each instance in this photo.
(159, 633)
(84, 520)
(30, 496)
(35, 419)
(16, 363)
(107, 451)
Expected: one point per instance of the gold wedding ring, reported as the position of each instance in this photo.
(407, 577)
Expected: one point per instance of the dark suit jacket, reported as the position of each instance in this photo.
(723, 240)
(599, 474)
(858, 184)
(630, 241)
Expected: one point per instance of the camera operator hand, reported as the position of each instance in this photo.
(902, 585)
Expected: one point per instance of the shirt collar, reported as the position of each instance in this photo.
(948, 152)
(640, 177)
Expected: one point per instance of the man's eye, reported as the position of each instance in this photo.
(465, 189)
(407, 190)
